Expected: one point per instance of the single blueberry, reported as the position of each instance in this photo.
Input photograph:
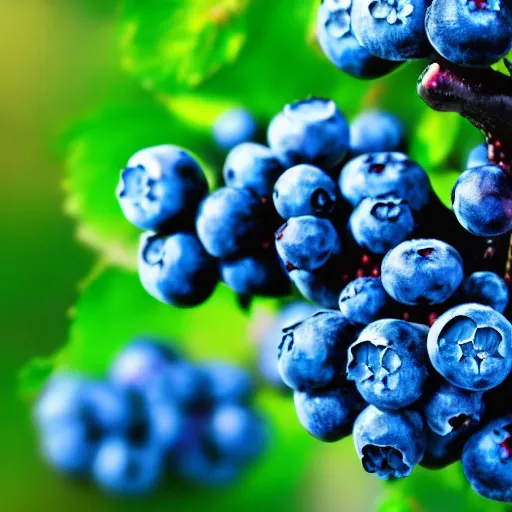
(441, 451)
(477, 157)
(227, 383)
(486, 288)
(323, 286)
(234, 127)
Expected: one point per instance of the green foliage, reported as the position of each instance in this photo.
(500, 65)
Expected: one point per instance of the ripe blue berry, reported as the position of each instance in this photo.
(389, 444)
(441, 451)
(234, 127)
(230, 221)
(486, 288)
(313, 353)
(322, 286)
(310, 131)
(376, 131)
(122, 467)
(422, 272)
(477, 157)
(392, 30)
(342, 48)
(482, 201)
(227, 383)
(364, 300)
(307, 243)
(487, 460)
(471, 347)
(451, 409)
(470, 32)
(382, 174)
(176, 269)
(161, 187)
(380, 224)
(328, 415)
(252, 166)
(389, 363)
(305, 190)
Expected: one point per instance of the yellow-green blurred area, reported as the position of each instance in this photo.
(60, 62)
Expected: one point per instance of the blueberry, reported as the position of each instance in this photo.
(364, 300)
(161, 187)
(380, 224)
(389, 363)
(69, 446)
(305, 190)
(486, 288)
(482, 201)
(139, 362)
(124, 468)
(382, 174)
(341, 47)
(321, 286)
(477, 157)
(328, 415)
(230, 221)
(252, 166)
(234, 127)
(471, 347)
(487, 460)
(228, 383)
(391, 29)
(237, 433)
(376, 131)
(307, 243)
(310, 131)
(313, 353)
(451, 409)
(257, 274)
(389, 444)
(176, 269)
(441, 451)
(470, 32)
(166, 423)
(422, 272)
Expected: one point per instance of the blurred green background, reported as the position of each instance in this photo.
(61, 64)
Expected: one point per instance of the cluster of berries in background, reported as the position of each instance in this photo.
(155, 413)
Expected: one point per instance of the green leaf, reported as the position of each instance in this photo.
(181, 43)
(113, 308)
(97, 149)
(501, 66)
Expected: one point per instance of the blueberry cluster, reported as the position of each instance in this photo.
(370, 38)
(154, 413)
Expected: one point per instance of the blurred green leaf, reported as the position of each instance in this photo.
(180, 43)
(97, 149)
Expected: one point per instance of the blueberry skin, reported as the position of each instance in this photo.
(441, 451)
(341, 47)
(319, 287)
(468, 35)
(234, 127)
(471, 347)
(388, 443)
(310, 131)
(376, 131)
(176, 269)
(477, 157)
(482, 201)
(364, 300)
(486, 288)
(237, 433)
(487, 462)
(380, 224)
(389, 363)
(252, 166)
(422, 271)
(451, 409)
(313, 353)
(328, 415)
(383, 174)
(139, 362)
(391, 30)
(161, 187)
(305, 190)
(166, 422)
(124, 468)
(230, 221)
(228, 383)
(307, 243)
(258, 274)
(69, 446)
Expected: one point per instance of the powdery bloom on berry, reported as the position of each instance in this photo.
(393, 11)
